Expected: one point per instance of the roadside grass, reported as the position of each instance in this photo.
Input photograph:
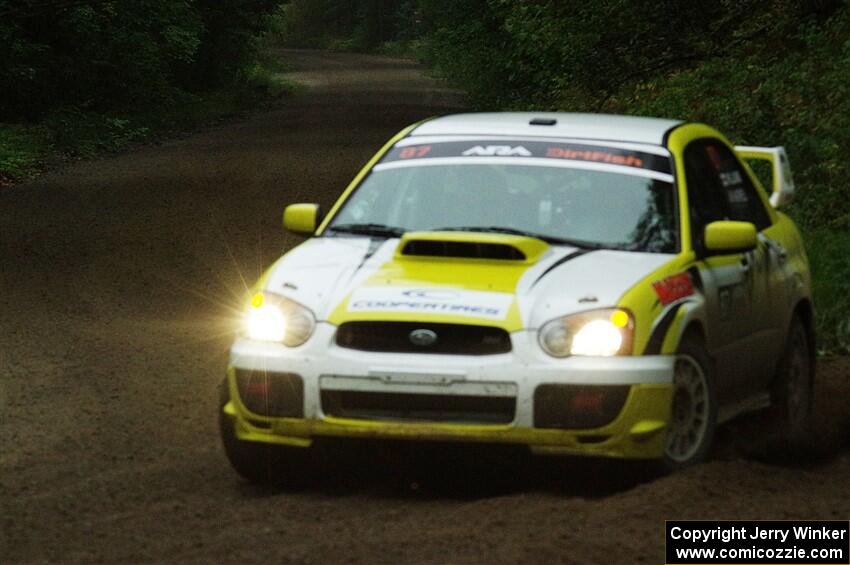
(71, 133)
(404, 49)
(22, 148)
(829, 255)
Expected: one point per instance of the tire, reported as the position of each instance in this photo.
(693, 417)
(255, 462)
(791, 393)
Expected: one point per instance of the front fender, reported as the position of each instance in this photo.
(676, 318)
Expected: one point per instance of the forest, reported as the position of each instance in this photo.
(83, 76)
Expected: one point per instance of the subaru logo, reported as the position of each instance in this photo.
(423, 337)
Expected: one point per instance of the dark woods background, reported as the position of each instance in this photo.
(82, 76)
(104, 55)
(78, 77)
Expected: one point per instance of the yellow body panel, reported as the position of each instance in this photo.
(635, 434)
(671, 340)
(493, 276)
(443, 272)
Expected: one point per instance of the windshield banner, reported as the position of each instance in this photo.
(501, 150)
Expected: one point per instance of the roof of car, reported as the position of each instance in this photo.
(608, 127)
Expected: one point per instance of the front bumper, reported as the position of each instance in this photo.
(637, 431)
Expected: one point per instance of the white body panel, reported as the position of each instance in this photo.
(632, 129)
(782, 191)
(323, 272)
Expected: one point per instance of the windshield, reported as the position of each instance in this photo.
(624, 205)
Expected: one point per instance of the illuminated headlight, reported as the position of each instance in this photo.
(270, 317)
(599, 333)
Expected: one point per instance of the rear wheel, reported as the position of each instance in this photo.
(693, 416)
(791, 394)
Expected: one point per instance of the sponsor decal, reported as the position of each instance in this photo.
(566, 151)
(597, 156)
(497, 151)
(737, 195)
(466, 303)
(730, 178)
(414, 152)
(673, 288)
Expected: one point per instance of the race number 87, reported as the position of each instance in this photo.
(414, 152)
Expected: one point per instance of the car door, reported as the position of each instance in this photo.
(765, 268)
(736, 285)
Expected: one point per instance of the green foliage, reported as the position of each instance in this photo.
(228, 42)
(72, 133)
(86, 134)
(830, 261)
(343, 25)
(84, 76)
(101, 56)
(21, 149)
(266, 78)
(316, 23)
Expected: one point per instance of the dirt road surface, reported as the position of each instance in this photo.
(118, 284)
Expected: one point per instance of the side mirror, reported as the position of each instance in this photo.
(302, 218)
(730, 237)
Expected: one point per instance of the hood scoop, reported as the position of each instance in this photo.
(471, 245)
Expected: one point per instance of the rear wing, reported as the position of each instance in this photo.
(782, 191)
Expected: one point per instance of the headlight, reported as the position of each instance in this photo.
(270, 317)
(600, 333)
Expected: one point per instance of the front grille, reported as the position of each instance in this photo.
(419, 407)
(455, 339)
(576, 407)
(279, 395)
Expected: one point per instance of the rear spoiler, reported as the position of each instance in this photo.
(782, 191)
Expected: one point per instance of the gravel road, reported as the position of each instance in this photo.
(119, 280)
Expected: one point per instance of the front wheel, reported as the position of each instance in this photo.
(260, 463)
(693, 417)
(253, 461)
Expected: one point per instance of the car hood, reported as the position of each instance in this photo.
(357, 278)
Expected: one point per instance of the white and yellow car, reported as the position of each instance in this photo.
(578, 284)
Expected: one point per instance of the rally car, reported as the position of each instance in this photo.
(579, 284)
